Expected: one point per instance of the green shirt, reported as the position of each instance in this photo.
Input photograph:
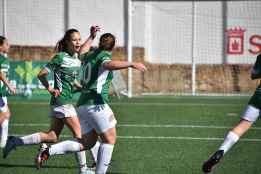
(255, 100)
(4, 68)
(65, 70)
(94, 78)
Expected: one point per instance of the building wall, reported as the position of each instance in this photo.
(165, 29)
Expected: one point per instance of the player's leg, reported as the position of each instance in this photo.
(104, 123)
(51, 136)
(56, 114)
(89, 140)
(94, 154)
(74, 145)
(74, 125)
(108, 140)
(69, 146)
(247, 119)
(4, 127)
(4, 121)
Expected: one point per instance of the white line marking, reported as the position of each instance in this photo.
(164, 138)
(178, 104)
(141, 126)
(144, 104)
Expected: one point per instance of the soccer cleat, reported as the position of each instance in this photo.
(42, 155)
(10, 145)
(212, 161)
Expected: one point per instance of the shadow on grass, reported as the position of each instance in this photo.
(33, 166)
(45, 167)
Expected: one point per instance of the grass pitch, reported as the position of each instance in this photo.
(163, 135)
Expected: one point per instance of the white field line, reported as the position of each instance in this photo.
(144, 104)
(166, 138)
(140, 126)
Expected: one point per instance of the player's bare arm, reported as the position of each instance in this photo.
(42, 76)
(7, 83)
(87, 44)
(117, 65)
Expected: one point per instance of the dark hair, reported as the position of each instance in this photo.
(2, 39)
(62, 44)
(107, 42)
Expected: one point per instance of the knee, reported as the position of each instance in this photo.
(111, 139)
(6, 115)
(52, 137)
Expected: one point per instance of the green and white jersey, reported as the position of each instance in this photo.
(255, 100)
(4, 68)
(65, 70)
(94, 78)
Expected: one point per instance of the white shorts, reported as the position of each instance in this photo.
(3, 104)
(63, 111)
(99, 117)
(251, 113)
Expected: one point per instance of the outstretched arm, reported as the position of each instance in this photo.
(42, 77)
(117, 65)
(7, 83)
(87, 44)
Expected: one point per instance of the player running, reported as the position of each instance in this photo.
(249, 116)
(4, 87)
(65, 66)
(97, 118)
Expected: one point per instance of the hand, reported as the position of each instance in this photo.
(54, 92)
(12, 90)
(139, 66)
(94, 30)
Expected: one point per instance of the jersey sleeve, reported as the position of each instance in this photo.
(104, 58)
(54, 63)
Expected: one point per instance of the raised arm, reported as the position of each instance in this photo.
(87, 44)
(117, 65)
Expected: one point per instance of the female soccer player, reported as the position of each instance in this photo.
(65, 66)
(96, 116)
(249, 116)
(4, 110)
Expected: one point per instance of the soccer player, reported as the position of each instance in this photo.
(249, 116)
(4, 86)
(65, 66)
(96, 116)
